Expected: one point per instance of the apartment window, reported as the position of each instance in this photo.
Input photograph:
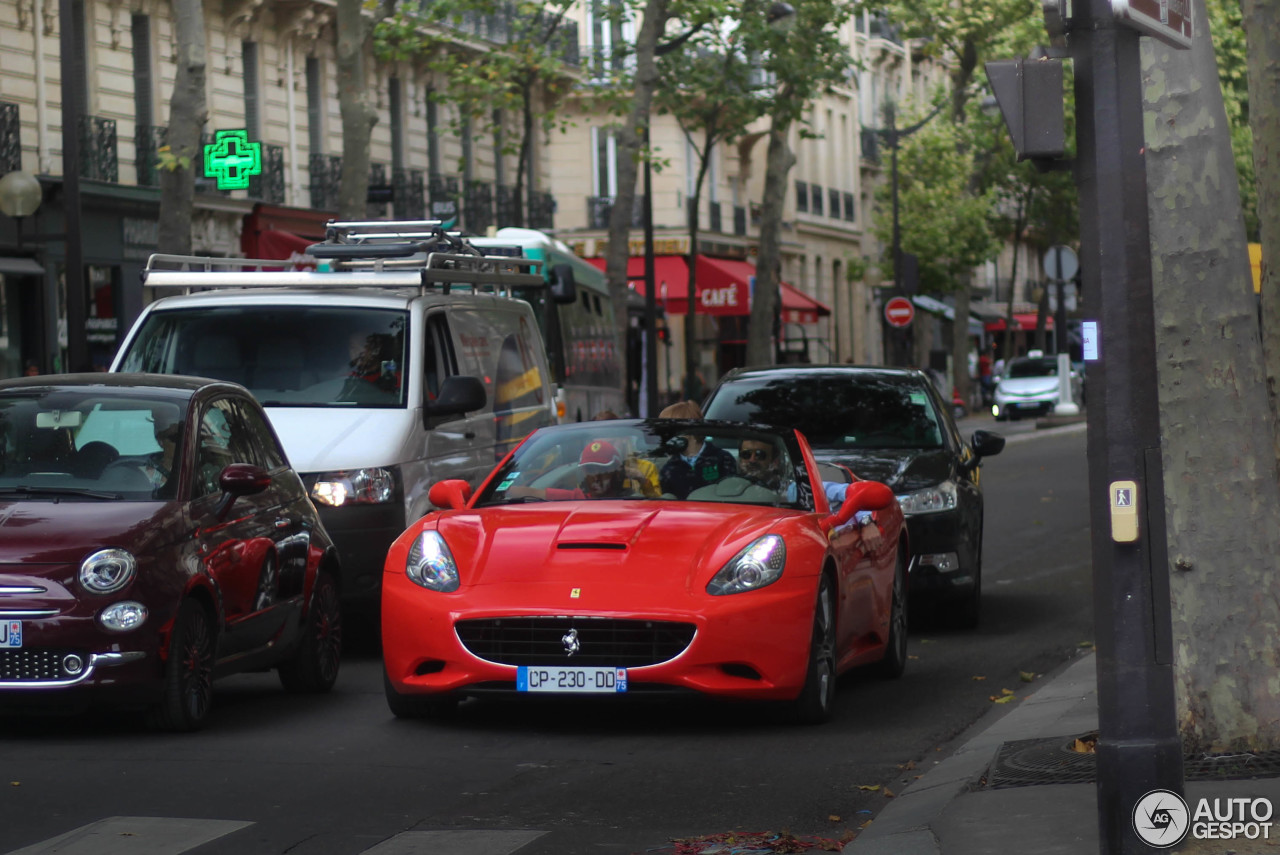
(802, 197)
(315, 106)
(143, 108)
(817, 198)
(834, 197)
(499, 168)
(604, 163)
(397, 123)
(433, 130)
(849, 213)
(252, 111)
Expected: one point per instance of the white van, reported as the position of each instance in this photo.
(405, 362)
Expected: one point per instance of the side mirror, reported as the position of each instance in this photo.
(986, 443)
(564, 287)
(239, 479)
(861, 496)
(458, 394)
(452, 494)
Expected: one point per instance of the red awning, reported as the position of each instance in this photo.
(1021, 321)
(272, 231)
(724, 287)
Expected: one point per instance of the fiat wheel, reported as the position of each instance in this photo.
(188, 671)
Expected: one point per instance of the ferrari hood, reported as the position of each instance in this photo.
(680, 546)
(904, 470)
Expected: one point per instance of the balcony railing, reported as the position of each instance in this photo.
(377, 179)
(98, 157)
(603, 63)
(269, 186)
(506, 207)
(600, 207)
(409, 193)
(10, 138)
(477, 206)
(444, 196)
(504, 24)
(326, 180)
(870, 145)
(542, 211)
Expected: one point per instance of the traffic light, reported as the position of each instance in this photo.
(1029, 92)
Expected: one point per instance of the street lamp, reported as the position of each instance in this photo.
(20, 196)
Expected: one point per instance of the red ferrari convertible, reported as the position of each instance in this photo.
(647, 556)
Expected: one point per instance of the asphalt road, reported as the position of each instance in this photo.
(337, 775)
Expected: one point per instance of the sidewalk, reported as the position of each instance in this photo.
(949, 811)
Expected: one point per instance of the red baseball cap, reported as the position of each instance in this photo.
(599, 456)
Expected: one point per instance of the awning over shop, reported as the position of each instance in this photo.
(277, 232)
(935, 306)
(17, 266)
(724, 287)
(1021, 321)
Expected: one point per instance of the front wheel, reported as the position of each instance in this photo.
(188, 672)
(817, 698)
(314, 667)
(895, 649)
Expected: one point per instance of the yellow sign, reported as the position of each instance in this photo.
(1255, 262)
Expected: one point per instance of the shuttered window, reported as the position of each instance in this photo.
(252, 111)
(315, 106)
(142, 95)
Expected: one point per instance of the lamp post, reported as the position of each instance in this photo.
(20, 196)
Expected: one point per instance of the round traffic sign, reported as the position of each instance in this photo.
(1060, 263)
(899, 312)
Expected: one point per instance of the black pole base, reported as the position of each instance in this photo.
(1127, 771)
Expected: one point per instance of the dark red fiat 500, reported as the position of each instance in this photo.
(153, 537)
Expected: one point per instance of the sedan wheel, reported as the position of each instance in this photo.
(817, 698)
(188, 673)
(895, 650)
(314, 668)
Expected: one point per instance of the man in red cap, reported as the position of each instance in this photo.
(603, 476)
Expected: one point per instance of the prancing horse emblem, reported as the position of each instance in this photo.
(570, 641)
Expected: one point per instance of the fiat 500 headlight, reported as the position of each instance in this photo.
(931, 500)
(430, 563)
(107, 570)
(758, 565)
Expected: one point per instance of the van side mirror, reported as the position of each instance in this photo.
(564, 287)
(459, 394)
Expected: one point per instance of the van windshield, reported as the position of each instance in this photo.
(287, 356)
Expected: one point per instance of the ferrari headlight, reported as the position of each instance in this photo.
(930, 501)
(430, 563)
(758, 565)
(355, 486)
(107, 570)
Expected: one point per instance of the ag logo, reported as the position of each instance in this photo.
(1160, 819)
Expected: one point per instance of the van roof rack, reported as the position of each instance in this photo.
(361, 254)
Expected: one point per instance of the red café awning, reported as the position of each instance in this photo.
(724, 287)
(1021, 321)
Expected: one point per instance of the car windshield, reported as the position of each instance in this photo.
(83, 443)
(288, 356)
(1032, 366)
(835, 411)
(655, 460)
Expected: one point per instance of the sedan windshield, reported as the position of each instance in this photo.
(835, 411)
(655, 460)
(300, 356)
(1034, 366)
(81, 443)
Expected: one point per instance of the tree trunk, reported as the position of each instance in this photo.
(187, 113)
(960, 343)
(358, 113)
(694, 389)
(1222, 497)
(628, 144)
(1261, 18)
(764, 305)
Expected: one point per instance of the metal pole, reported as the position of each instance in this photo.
(73, 108)
(650, 298)
(897, 337)
(1060, 316)
(1139, 749)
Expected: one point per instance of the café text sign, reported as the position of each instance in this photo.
(1167, 20)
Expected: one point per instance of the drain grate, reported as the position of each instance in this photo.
(1028, 762)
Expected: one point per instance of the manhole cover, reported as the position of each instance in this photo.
(1028, 762)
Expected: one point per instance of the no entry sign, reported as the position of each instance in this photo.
(899, 312)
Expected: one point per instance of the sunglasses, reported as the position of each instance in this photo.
(755, 454)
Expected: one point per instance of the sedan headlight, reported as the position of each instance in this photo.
(107, 570)
(758, 565)
(431, 565)
(355, 486)
(931, 500)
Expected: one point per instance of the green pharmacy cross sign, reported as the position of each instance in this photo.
(232, 159)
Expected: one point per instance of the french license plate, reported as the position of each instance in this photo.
(559, 678)
(1026, 404)
(10, 633)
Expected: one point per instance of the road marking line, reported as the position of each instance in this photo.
(135, 835)
(466, 842)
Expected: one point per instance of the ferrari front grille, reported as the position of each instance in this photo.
(607, 642)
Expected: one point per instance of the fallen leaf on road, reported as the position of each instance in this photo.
(870, 788)
(833, 818)
(978, 677)
(1003, 699)
(1026, 676)
(888, 793)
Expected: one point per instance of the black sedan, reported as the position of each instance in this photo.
(889, 425)
(153, 537)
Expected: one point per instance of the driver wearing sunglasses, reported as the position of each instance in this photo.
(758, 460)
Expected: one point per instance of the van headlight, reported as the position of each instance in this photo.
(107, 570)
(375, 486)
(430, 563)
(931, 500)
(758, 565)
